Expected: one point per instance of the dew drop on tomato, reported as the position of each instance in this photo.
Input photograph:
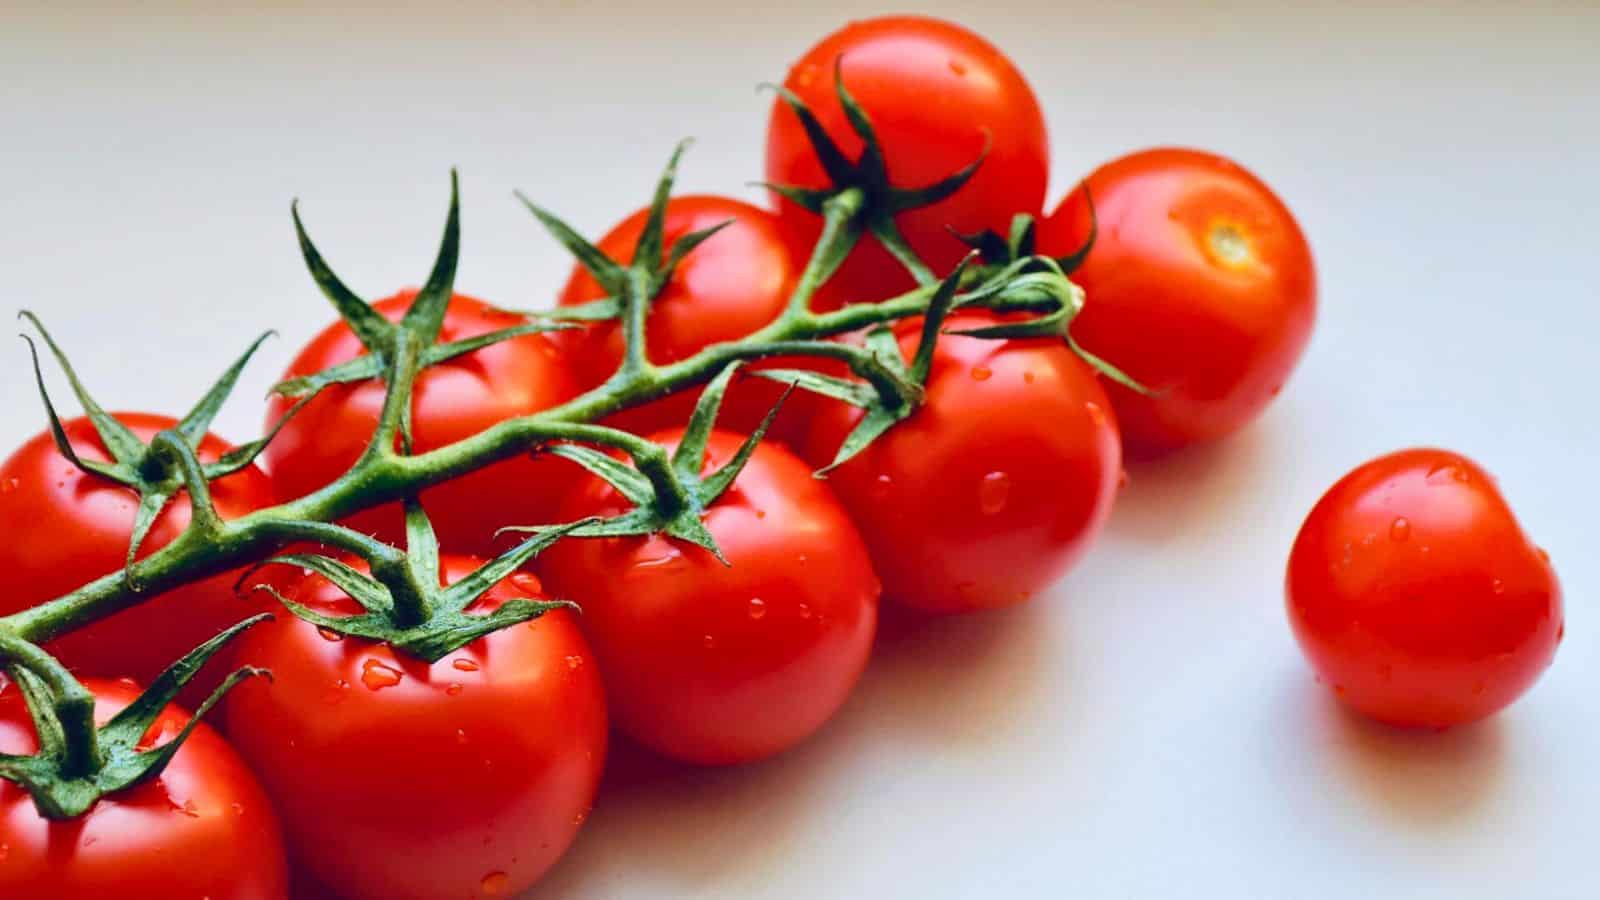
(328, 634)
(465, 665)
(495, 884)
(981, 373)
(993, 492)
(377, 676)
(758, 608)
(1400, 530)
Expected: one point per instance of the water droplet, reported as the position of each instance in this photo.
(761, 514)
(709, 641)
(461, 736)
(1276, 390)
(981, 373)
(1561, 633)
(1338, 690)
(453, 689)
(1444, 473)
(1027, 378)
(238, 809)
(189, 809)
(1122, 479)
(758, 607)
(573, 662)
(1479, 688)
(128, 683)
(1400, 529)
(993, 492)
(1097, 414)
(1498, 586)
(805, 611)
(10, 485)
(1543, 554)
(464, 665)
(580, 818)
(496, 884)
(328, 634)
(377, 676)
(5, 851)
(958, 68)
(805, 76)
(335, 695)
(528, 583)
(669, 558)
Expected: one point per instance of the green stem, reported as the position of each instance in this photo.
(72, 704)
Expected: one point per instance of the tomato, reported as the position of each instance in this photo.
(203, 828)
(733, 284)
(893, 66)
(452, 400)
(78, 528)
(1415, 594)
(991, 489)
(719, 664)
(1200, 286)
(401, 779)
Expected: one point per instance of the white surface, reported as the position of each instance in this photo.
(1147, 729)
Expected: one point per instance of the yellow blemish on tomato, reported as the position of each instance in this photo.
(1227, 245)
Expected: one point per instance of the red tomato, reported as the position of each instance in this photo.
(992, 488)
(718, 664)
(401, 779)
(204, 828)
(78, 528)
(1415, 594)
(893, 66)
(728, 287)
(1200, 285)
(452, 400)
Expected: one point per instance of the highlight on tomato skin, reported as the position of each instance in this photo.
(1417, 597)
(408, 780)
(204, 828)
(453, 400)
(995, 486)
(892, 65)
(1200, 285)
(80, 525)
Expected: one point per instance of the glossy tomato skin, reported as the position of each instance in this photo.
(728, 287)
(204, 828)
(399, 779)
(453, 400)
(1200, 285)
(78, 529)
(893, 66)
(1415, 594)
(717, 664)
(995, 486)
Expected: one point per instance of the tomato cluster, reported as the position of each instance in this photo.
(1411, 587)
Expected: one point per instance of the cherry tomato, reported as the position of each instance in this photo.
(203, 828)
(1415, 594)
(729, 286)
(78, 527)
(937, 95)
(993, 487)
(719, 664)
(1200, 285)
(452, 400)
(401, 779)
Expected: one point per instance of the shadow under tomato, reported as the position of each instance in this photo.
(1188, 491)
(1420, 777)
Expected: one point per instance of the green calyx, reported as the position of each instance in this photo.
(669, 494)
(420, 325)
(403, 602)
(169, 463)
(865, 180)
(630, 287)
(78, 762)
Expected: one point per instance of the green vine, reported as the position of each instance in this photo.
(402, 600)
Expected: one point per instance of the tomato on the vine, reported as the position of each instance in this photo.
(726, 288)
(398, 778)
(938, 96)
(713, 663)
(1200, 286)
(79, 526)
(203, 828)
(994, 486)
(1417, 597)
(452, 400)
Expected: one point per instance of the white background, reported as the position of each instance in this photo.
(1147, 728)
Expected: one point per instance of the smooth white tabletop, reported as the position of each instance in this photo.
(1146, 729)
